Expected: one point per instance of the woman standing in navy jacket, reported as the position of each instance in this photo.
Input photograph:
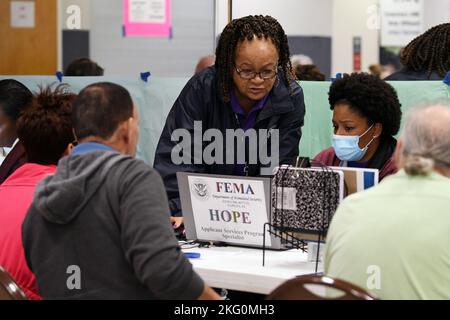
(251, 86)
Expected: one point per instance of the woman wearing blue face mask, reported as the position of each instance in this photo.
(366, 116)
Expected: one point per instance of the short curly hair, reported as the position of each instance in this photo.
(45, 128)
(371, 97)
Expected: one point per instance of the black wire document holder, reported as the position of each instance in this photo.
(304, 201)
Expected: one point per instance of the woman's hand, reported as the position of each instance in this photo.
(176, 222)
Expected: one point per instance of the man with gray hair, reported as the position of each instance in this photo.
(393, 239)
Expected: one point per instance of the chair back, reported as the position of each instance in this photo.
(9, 290)
(295, 289)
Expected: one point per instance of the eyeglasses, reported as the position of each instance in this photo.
(250, 74)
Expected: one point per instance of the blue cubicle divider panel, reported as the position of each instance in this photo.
(156, 97)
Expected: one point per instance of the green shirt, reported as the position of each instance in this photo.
(394, 239)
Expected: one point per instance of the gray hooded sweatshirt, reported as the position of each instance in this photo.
(99, 229)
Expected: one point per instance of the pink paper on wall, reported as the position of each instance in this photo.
(147, 18)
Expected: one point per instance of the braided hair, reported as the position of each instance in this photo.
(429, 51)
(247, 28)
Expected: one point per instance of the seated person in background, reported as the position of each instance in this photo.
(375, 70)
(393, 239)
(3, 155)
(104, 215)
(205, 62)
(45, 130)
(14, 98)
(309, 72)
(366, 116)
(301, 59)
(83, 67)
(251, 86)
(427, 57)
(389, 61)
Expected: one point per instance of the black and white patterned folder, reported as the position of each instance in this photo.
(305, 199)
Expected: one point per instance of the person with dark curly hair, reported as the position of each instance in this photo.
(309, 72)
(45, 131)
(83, 67)
(251, 86)
(427, 57)
(366, 116)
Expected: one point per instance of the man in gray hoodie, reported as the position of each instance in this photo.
(99, 228)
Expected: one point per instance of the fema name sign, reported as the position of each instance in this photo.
(230, 210)
(401, 21)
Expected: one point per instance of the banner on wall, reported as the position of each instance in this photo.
(147, 18)
(401, 21)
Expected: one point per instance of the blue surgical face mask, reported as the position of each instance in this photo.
(347, 147)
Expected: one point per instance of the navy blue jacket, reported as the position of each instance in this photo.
(201, 100)
(409, 75)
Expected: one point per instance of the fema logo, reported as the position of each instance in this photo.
(201, 190)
